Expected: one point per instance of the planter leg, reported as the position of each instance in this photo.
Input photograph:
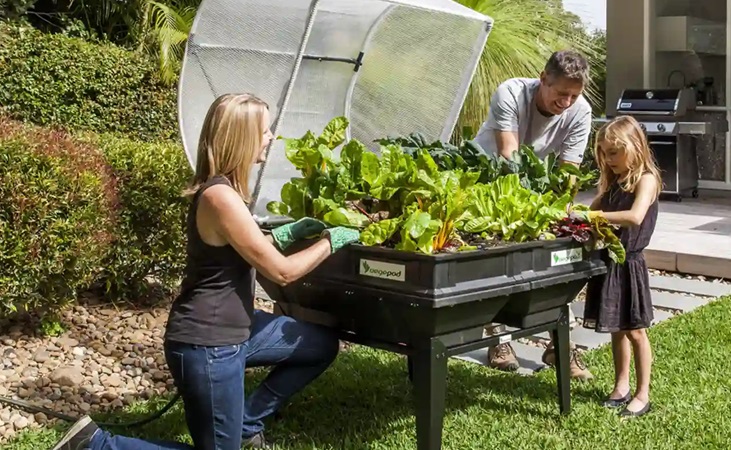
(562, 346)
(410, 367)
(430, 382)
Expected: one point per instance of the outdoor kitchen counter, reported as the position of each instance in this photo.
(711, 148)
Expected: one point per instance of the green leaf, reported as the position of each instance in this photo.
(334, 133)
(278, 208)
(379, 232)
(346, 218)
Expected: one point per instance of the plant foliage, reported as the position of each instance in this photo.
(420, 200)
(57, 201)
(57, 80)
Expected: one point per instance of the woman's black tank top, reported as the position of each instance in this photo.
(216, 302)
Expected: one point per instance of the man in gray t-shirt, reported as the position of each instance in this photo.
(550, 114)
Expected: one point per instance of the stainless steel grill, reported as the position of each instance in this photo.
(666, 115)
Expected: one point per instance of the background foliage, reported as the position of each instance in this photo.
(87, 212)
(53, 79)
(57, 203)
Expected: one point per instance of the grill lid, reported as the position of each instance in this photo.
(657, 102)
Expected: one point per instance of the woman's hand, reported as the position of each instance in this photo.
(339, 237)
(286, 235)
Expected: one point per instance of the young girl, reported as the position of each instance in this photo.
(620, 301)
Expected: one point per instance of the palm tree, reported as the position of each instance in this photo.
(166, 27)
(524, 35)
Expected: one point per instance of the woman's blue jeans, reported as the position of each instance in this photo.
(211, 382)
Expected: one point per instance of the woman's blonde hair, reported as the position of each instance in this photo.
(230, 142)
(624, 134)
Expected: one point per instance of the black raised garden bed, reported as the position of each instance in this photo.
(431, 307)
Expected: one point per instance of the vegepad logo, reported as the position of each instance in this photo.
(568, 256)
(384, 270)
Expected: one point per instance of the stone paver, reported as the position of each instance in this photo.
(529, 356)
(672, 300)
(578, 309)
(697, 287)
(661, 316)
(589, 339)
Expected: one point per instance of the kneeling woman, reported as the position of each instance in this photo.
(213, 331)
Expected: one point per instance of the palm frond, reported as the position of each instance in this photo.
(170, 25)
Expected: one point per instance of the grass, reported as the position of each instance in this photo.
(364, 401)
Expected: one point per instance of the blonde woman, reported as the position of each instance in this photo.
(213, 331)
(620, 302)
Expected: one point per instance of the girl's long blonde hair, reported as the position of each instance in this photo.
(624, 134)
(230, 142)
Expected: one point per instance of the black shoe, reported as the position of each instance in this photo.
(256, 441)
(628, 414)
(78, 436)
(617, 402)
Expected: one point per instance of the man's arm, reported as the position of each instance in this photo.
(503, 120)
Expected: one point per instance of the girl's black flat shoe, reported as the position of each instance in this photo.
(617, 402)
(627, 413)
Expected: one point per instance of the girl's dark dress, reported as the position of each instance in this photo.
(621, 300)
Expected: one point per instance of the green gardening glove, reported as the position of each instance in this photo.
(286, 235)
(340, 237)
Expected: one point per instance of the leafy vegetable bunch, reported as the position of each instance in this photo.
(407, 200)
(538, 175)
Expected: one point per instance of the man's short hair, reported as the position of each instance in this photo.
(568, 64)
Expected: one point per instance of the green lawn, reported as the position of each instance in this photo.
(364, 401)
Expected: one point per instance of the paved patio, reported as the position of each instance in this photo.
(693, 236)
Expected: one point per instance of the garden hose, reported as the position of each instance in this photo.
(38, 409)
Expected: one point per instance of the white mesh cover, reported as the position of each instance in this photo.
(418, 59)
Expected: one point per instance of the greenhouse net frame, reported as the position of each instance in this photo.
(391, 67)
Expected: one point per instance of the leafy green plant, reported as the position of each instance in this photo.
(57, 201)
(599, 232)
(58, 80)
(149, 238)
(407, 200)
(508, 210)
(539, 175)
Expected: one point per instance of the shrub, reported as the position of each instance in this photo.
(66, 81)
(150, 236)
(56, 215)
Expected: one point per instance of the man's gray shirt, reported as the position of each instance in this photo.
(512, 108)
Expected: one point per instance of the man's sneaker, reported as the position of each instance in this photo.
(502, 357)
(578, 369)
(78, 436)
(256, 441)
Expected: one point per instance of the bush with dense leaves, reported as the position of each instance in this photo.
(57, 201)
(66, 81)
(87, 212)
(150, 236)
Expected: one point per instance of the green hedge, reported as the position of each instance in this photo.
(56, 217)
(87, 212)
(60, 80)
(150, 243)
